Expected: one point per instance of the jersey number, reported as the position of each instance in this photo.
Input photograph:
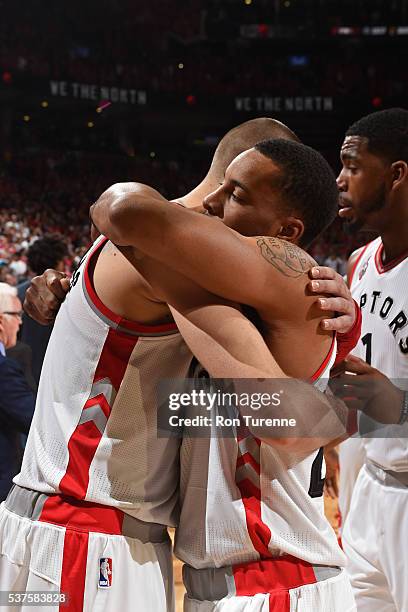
(367, 341)
(316, 479)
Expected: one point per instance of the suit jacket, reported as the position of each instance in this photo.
(17, 403)
(23, 354)
(35, 335)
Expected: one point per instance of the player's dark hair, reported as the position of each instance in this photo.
(386, 132)
(307, 184)
(46, 252)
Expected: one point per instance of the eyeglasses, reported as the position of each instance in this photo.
(18, 313)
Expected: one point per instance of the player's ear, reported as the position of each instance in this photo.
(292, 229)
(399, 174)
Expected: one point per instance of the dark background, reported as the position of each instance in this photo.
(97, 92)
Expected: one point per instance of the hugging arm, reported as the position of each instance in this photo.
(230, 347)
(249, 271)
(48, 291)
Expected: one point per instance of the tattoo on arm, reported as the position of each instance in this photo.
(286, 257)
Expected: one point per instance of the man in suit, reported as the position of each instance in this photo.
(16, 398)
(46, 252)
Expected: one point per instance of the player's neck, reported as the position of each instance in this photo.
(395, 243)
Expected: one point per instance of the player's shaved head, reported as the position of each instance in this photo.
(236, 141)
(243, 137)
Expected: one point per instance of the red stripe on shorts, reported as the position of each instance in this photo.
(79, 518)
(279, 602)
(274, 576)
(73, 571)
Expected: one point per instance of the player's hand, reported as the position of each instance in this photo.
(45, 295)
(339, 300)
(365, 388)
(331, 483)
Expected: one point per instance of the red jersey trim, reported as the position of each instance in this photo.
(381, 268)
(85, 439)
(106, 312)
(325, 363)
(258, 531)
(353, 270)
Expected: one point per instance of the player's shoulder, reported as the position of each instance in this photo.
(290, 259)
(355, 259)
(355, 255)
(352, 263)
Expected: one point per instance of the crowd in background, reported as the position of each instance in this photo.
(198, 46)
(51, 194)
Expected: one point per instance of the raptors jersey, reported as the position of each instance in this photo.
(94, 431)
(382, 293)
(243, 500)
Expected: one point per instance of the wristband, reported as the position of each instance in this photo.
(404, 410)
(346, 342)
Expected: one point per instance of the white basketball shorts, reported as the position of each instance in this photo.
(88, 557)
(284, 584)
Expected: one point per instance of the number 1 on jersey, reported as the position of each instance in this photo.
(367, 341)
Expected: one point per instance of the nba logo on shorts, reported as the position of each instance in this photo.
(105, 572)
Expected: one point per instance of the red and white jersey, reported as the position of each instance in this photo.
(243, 500)
(94, 431)
(382, 293)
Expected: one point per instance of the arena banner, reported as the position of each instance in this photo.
(86, 91)
(297, 104)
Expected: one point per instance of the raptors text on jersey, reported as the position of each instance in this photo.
(382, 292)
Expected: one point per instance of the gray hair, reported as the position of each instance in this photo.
(6, 293)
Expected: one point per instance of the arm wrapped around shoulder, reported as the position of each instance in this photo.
(120, 207)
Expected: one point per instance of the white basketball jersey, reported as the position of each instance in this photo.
(244, 500)
(94, 431)
(382, 293)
